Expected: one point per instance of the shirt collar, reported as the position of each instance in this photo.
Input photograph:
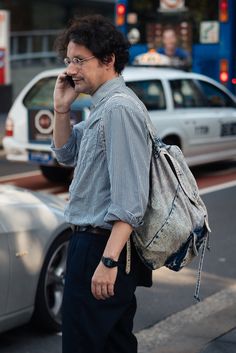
(106, 89)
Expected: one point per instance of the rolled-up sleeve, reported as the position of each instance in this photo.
(128, 156)
(68, 153)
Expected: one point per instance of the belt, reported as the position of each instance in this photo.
(90, 229)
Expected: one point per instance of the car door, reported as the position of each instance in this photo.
(25, 254)
(4, 267)
(224, 109)
(198, 120)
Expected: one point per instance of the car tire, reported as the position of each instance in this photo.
(172, 140)
(47, 313)
(57, 174)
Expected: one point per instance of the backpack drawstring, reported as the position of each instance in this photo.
(199, 272)
(128, 257)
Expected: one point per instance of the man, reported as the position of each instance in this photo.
(109, 191)
(178, 56)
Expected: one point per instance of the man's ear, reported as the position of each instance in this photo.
(109, 61)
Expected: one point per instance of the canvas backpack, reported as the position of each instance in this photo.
(175, 225)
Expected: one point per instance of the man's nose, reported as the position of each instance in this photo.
(72, 69)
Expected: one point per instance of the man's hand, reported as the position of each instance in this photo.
(64, 93)
(103, 280)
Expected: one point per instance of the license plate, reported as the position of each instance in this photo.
(228, 129)
(40, 157)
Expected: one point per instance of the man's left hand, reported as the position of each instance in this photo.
(103, 280)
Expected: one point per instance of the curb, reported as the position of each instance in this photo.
(190, 330)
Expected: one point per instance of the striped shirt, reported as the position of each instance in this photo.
(111, 156)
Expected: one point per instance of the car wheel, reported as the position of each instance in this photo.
(172, 140)
(57, 174)
(47, 313)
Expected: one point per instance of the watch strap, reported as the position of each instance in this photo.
(108, 262)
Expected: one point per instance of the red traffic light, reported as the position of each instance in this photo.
(223, 11)
(224, 70)
(120, 9)
(120, 14)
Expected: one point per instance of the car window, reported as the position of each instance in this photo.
(215, 96)
(150, 92)
(186, 94)
(41, 95)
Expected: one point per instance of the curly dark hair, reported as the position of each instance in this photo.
(100, 36)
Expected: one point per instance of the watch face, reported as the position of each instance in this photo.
(109, 262)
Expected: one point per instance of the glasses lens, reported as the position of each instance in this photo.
(67, 61)
(77, 61)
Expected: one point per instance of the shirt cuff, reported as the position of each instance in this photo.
(116, 213)
(64, 152)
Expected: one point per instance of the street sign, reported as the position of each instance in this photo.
(209, 32)
(4, 47)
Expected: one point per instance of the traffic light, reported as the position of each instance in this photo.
(224, 71)
(120, 14)
(223, 11)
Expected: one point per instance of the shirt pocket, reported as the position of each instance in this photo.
(88, 146)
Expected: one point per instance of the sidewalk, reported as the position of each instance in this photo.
(205, 327)
(224, 344)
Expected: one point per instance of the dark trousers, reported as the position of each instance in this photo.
(90, 325)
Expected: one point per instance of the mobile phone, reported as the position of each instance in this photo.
(70, 80)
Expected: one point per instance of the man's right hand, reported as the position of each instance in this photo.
(64, 93)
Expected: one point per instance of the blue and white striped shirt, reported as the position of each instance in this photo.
(111, 156)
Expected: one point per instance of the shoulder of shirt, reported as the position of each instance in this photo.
(127, 102)
(182, 52)
(123, 100)
(161, 50)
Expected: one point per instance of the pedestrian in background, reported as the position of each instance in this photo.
(109, 191)
(177, 55)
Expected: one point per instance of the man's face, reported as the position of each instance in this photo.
(169, 39)
(89, 75)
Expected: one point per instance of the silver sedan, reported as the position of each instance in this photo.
(33, 248)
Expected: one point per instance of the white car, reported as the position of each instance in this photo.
(190, 110)
(33, 248)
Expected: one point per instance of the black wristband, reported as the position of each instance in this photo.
(108, 262)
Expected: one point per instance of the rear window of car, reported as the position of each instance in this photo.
(215, 96)
(186, 94)
(41, 95)
(150, 92)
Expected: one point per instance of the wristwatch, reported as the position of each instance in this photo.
(108, 262)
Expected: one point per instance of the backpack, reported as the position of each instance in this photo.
(175, 225)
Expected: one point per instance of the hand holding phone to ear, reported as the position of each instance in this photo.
(64, 92)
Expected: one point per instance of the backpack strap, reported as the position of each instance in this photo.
(150, 127)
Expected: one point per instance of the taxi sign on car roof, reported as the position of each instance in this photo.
(152, 58)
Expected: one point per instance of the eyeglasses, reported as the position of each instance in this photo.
(77, 61)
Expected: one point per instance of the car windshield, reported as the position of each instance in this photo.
(41, 95)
